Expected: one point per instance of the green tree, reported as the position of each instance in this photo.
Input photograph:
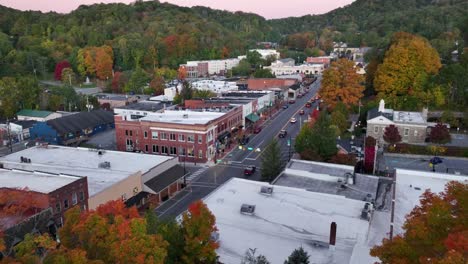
(271, 161)
(298, 256)
(317, 142)
(263, 73)
(68, 77)
(255, 59)
(251, 258)
(449, 118)
(339, 120)
(203, 94)
(187, 91)
(138, 80)
(243, 69)
(18, 93)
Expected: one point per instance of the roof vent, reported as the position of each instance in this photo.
(266, 190)
(185, 116)
(105, 165)
(100, 152)
(25, 160)
(247, 209)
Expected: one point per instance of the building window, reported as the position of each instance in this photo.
(181, 151)
(406, 133)
(81, 196)
(146, 148)
(172, 137)
(154, 135)
(191, 138)
(200, 138)
(173, 150)
(129, 142)
(65, 203)
(131, 132)
(181, 137)
(190, 152)
(155, 149)
(74, 198)
(163, 136)
(58, 207)
(146, 134)
(164, 150)
(376, 129)
(126, 132)
(415, 133)
(200, 153)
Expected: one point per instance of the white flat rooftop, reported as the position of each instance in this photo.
(284, 221)
(183, 117)
(84, 162)
(408, 117)
(410, 185)
(35, 181)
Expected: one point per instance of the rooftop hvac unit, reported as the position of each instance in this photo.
(185, 116)
(247, 209)
(25, 160)
(105, 165)
(266, 190)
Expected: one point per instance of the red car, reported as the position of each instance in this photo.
(308, 105)
(257, 130)
(302, 112)
(249, 170)
(292, 101)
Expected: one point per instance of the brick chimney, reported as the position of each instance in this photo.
(332, 235)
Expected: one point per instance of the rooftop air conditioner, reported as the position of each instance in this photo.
(266, 190)
(247, 209)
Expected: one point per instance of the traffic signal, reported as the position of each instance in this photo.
(289, 142)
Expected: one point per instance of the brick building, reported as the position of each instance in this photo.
(59, 192)
(189, 135)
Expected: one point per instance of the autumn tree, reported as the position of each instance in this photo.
(198, 225)
(58, 69)
(104, 61)
(339, 121)
(435, 231)
(157, 85)
(341, 83)
(391, 135)
(118, 82)
(112, 233)
(68, 76)
(440, 134)
(406, 67)
(369, 153)
(181, 73)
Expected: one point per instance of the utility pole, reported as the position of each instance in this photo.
(9, 135)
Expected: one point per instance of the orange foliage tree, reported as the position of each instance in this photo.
(341, 83)
(407, 66)
(104, 60)
(198, 225)
(182, 73)
(112, 233)
(436, 231)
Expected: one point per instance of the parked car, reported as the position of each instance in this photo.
(285, 106)
(308, 105)
(292, 101)
(293, 120)
(249, 170)
(302, 112)
(283, 133)
(257, 130)
(244, 140)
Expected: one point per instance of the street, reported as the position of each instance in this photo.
(453, 165)
(205, 180)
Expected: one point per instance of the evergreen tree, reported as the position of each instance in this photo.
(250, 258)
(298, 256)
(271, 161)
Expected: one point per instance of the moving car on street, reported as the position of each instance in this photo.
(293, 120)
(282, 133)
(302, 112)
(257, 130)
(249, 170)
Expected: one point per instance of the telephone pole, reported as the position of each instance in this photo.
(9, 135)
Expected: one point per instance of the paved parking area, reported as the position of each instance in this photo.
(451, 165)
(104, 140)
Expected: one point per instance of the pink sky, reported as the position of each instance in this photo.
(266, 8)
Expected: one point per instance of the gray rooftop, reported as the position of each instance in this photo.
(147, 106)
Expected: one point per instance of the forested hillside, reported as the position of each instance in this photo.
(153, 34)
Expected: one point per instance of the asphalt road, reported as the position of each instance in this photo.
(452, 164)
(208, 179)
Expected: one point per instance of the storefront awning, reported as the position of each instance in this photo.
(252, 117)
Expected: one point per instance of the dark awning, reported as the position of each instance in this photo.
(223, 135)
(253, 117)
(166, 178)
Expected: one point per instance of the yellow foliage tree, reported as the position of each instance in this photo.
(408, 63)
(341, 83)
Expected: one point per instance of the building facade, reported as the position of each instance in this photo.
(189, 135)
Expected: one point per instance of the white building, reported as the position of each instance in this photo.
(279, 70)
(276, 223)
(37, 115)
(410, 185)
(265, 53)
(215, 86)
(111, 175)
(214, 66)
(141, 109)
(283, 62)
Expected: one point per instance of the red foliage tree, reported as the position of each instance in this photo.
(369, 154)
(198, 226)
(436, 231)
(59, 68)
(391, 135)
(118, 82)
(440, 134)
